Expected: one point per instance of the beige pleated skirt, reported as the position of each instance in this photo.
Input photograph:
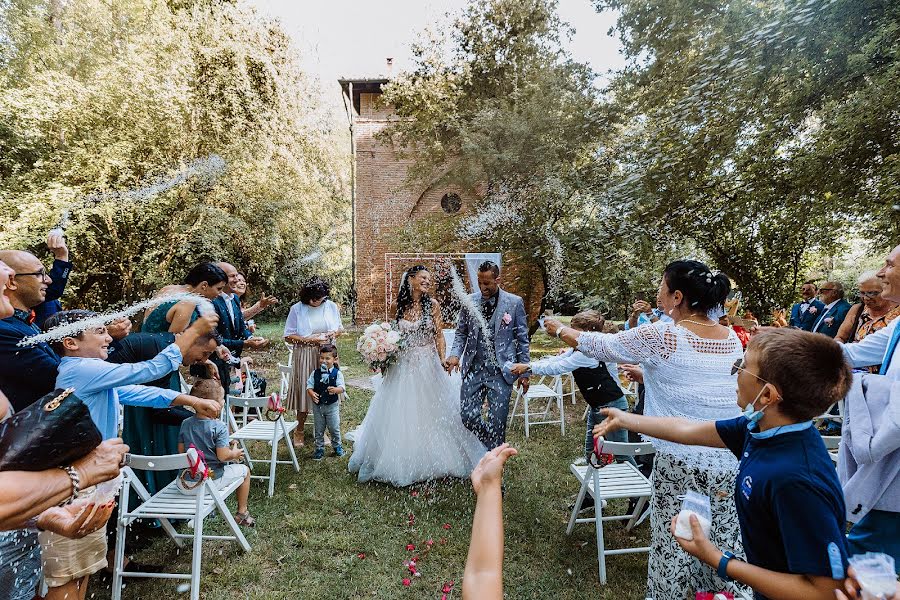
(306, 360)
(66, 560)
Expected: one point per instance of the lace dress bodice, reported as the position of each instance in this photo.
(418, 334)
(685, 375)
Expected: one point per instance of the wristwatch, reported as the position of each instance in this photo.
(559, 331)
(723, 565)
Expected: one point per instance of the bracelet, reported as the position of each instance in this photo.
(723, 566)
(72, 472)
(559, 331)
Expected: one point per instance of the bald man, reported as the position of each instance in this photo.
(29, 372)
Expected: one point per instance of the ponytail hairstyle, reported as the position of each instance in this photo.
(404, 296)
(702, 289)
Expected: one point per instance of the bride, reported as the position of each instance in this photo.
(413, 430)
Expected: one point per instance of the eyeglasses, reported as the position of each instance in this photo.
(739, 365)
(870, 294)
(826, 289)
(40, 274)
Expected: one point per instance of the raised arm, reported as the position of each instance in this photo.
(673, 429)
(632, 346)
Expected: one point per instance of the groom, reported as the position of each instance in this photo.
(483, 358)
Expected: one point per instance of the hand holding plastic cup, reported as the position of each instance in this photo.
(875, 574)
(697, 505)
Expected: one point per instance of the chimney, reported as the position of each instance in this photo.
(390, 67)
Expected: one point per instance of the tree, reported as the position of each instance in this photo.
(497, 104)
(99, 97)
(761, 130)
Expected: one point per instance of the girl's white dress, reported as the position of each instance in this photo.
(413, 430)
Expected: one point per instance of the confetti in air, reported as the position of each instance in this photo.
(204, 168)
(459, 292)
(70, 329)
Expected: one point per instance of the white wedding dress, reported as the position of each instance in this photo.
(413, 431)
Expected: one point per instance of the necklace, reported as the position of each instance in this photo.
(696, 323)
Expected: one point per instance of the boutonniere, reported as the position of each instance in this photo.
(829, 321)
(507, 318)
(813, 310)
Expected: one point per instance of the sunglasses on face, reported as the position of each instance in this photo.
(870, 294)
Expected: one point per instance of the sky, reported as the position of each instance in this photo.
(352, 38)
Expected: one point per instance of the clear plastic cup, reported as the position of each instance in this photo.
(876, 575)
(693, 504)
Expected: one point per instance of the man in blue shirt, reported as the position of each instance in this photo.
(27, 372)
(789, 501)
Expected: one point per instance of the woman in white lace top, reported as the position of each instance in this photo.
(687, 373)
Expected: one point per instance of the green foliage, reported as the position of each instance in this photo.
(98, 96)
(761, 130)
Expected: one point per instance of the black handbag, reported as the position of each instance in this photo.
(54, 431)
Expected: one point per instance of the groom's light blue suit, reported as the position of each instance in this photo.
(484, 379)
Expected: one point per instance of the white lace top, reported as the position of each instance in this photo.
(684, 376)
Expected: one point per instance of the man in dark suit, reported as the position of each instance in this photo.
(805, 313)
(232, 327)
(27, 372)
(835, 311)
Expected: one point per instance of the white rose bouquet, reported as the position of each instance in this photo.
(380, 345)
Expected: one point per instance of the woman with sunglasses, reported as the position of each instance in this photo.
(687, 367)
(871, 313)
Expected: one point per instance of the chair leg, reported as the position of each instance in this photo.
(598, 520)
(247, 456)
(527, 416)
(578, 501)
(232, 524)
(290, 447)
(196, 558)
(273, 464)
(637, 513)
(562, 415)
(121, 532)
(512, 413)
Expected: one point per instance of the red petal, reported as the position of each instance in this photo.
(406, 581)
(414, 494)
(361, 555)
(430, 542)
(410, 547)
(446, 525)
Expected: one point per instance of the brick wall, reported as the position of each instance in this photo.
(384, 203)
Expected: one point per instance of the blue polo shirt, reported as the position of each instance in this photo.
(789, 501)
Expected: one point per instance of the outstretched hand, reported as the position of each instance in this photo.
(75, 521)
(614, 421)
(489, 470)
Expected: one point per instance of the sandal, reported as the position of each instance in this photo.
(298, 443)
(244, 519)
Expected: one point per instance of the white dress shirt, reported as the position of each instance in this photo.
(871, 349)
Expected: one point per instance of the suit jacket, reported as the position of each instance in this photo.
(837, 314)
(510, 339)
(233, 331)
(26, 372)
(806, 320)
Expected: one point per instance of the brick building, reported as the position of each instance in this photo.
(383, 204)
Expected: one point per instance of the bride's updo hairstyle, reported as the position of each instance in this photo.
(404, 296)
(702, 289)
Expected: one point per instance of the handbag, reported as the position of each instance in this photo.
(54, 431)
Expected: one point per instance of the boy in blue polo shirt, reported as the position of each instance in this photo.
(789, 501)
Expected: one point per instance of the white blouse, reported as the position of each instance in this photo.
(305, 320)
(685, 376)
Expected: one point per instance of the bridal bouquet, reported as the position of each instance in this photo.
(379, 345)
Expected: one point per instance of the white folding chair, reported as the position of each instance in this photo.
(170, 503)
(618, 480)
(249, 390)
(285, 372)
(261, 430)
(827, 416)
(833, 445)
(552, 393)
(571, 379)
(290, 349)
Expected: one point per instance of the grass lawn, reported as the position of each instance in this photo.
(310, 537)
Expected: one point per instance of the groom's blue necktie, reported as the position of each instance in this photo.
(889, 354)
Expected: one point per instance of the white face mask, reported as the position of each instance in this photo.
(753, 415)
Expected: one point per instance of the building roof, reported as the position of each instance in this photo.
(362, 85)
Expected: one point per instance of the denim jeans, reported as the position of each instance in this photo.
(327, 415)
(20, 564)
(594, 417)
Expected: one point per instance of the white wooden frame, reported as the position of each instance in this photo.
(618, 480)
(273, 432)
(170, 503)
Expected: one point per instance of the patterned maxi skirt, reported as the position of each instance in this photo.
(305, 361)
(672, 573)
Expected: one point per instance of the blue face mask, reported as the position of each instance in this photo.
(753, 415)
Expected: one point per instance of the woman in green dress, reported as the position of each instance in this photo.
(151, 431)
